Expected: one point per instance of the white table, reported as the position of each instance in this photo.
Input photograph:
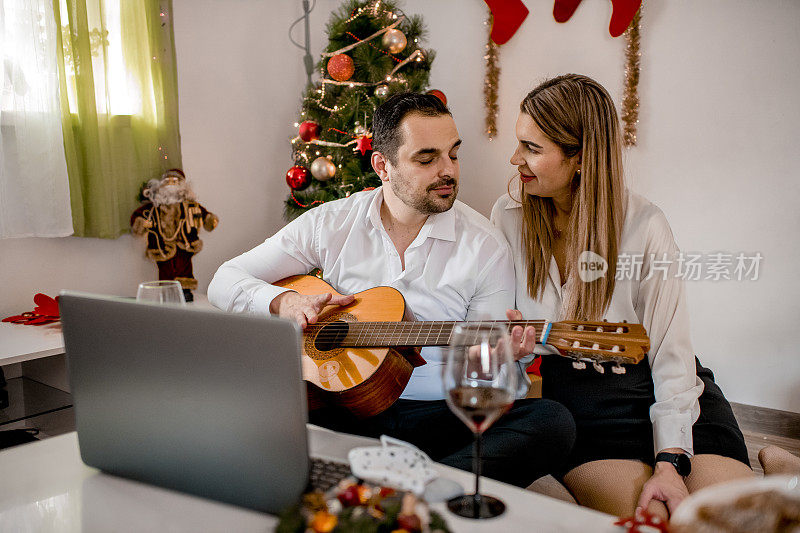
(35, 365)
(45, 487)
(19, 343)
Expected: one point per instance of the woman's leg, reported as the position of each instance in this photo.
(710, 469)
(720, 450)
(612, 486)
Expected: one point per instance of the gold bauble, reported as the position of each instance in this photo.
(323, 169)
(394, 40)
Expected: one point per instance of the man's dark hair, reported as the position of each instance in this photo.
(386, 136)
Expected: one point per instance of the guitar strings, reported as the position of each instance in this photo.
(330, 331)
(397, 332)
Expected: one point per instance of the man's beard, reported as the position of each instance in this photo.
(428, 202)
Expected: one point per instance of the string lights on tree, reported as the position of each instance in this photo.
(374, 50)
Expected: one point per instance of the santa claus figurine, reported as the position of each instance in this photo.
(171, 218)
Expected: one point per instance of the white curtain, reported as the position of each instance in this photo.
(34, 187)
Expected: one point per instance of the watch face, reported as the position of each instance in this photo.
(682, 464)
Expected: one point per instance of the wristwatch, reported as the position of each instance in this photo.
(680, 461)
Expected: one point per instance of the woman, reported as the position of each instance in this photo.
(571, 198)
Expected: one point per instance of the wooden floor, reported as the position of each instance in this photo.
(762, 427)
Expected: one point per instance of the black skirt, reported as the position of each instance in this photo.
(612, 413)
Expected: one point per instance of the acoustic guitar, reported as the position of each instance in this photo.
(361, 356)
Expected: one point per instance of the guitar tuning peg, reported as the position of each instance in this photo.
(579, 365)
(618, 369)
(599, 368)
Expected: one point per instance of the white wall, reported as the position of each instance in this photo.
(718, 123)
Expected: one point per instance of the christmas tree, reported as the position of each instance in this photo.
(373, 52)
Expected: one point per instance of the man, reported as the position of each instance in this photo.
(447, 261)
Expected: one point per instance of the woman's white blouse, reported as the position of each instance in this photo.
(647, 291)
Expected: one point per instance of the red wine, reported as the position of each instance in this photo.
(479, 407)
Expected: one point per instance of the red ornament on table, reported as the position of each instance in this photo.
(438, 94)
(309, 131)
(45, 312)
(643, 522)
(341, 67)
(507, 17)
(364, 144)
(298, 178)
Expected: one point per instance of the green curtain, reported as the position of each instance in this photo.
(119, 102)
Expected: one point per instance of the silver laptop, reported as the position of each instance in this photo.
(195, 400)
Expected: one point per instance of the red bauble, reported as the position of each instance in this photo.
(409, 522)
(438, 94)
(341, 67)
(309, 131)
(298, 178)
(363, 144)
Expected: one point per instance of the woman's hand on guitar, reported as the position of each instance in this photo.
(522, 341)
(305, 309)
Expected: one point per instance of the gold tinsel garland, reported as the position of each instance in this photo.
(630, 99)
(490, 82)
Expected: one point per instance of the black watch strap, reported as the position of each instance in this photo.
(680, 461)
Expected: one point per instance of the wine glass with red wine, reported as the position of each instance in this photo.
(480, 380)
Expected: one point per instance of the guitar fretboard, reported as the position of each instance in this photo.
(394, 334)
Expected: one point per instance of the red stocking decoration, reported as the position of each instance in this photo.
(621, 15)
(563, 9)
(508, 16)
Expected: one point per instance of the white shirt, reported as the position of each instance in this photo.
(459, 267)
(658, 304)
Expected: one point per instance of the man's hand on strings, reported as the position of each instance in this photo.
(305, 309)
(522, 340)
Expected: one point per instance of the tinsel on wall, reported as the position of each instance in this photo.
(374, 50)
(490, 82)
(505, 18)
(630, 98)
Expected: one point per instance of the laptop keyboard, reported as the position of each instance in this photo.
(326, 474)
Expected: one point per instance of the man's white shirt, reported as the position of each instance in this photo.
(459, 267)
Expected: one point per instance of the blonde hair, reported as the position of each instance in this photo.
(578, 115)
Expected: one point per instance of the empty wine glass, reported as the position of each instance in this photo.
(479, 382)
(162, 292)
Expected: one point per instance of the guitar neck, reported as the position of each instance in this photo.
(438, 333)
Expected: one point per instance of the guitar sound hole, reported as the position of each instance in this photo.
(330, 336)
